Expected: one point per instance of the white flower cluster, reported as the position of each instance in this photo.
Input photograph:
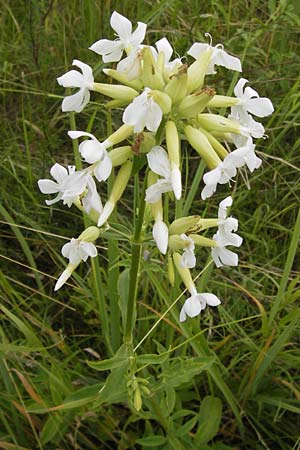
(163, 101)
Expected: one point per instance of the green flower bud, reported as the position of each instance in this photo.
(184, 273)
(197, 71)
(171, 272)
(120, 155)
(173, 144)
(183, 224)
(163, 100)
(194, 104)
(215, 122)
(177, 86)
(151, 76)
(217, 146)
(202, 146)
(177, 243)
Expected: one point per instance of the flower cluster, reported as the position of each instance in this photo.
(163, 101)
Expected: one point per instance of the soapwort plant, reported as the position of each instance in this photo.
(163, 103)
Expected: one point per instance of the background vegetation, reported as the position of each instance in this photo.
(241, 390)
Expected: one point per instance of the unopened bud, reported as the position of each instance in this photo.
(202, 146)
(194, 104)
(121, 134)
(120, 155)
(202, 241)
(215, 122)
(223, 101)
(217, 146)
(177, 86)
(183, 224)
(171, 272)
(152, 78)
(184, 273)
(163, 100)
(197, 71)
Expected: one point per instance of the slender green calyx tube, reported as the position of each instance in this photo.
(176, 88)
(119, 155)
(150, 74)
(214, 122)
(118, 92)
(223, 101)
(121, 134)
(197, 71)
(194, 104)
(122, 78)
(183, 224)
(203, 241)
(173, 143)
(200, 143)
(177, 243)
(90, 234)
(203, 224)
(171, 272)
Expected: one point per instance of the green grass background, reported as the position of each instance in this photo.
(45, 339)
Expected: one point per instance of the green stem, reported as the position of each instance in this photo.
(134, 269)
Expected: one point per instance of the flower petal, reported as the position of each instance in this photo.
(103, 169)
(76, 102)
(154, 192)
(71, 79)
(260, 107)
(138, 35)
(160, 234)
(48, 186)
(121, 25)
(86, 71)
(158, 161)
(210, 299)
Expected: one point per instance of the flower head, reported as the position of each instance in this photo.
(68, 184)
(112, 51)
(84, 82)
(250, 102)
(143, 112)
(159, 163)
(196, 303)
(218, 57)
(94, 152)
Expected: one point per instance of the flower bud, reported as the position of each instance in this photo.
(217, 146)
(194, 104)
(173, 147)
(151, 76)
(120, 155)
(90, 234)
(203, 224)
(163, 100)
(122, 78)
(177, 86)
(202, 146)
(177, 243)
(118, 92)
(183, 224)
(197, 71)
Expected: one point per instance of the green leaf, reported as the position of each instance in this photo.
(153, 358)
(151, 441)
(209, 419)
(184, 429)
(54, 427)
(183, 370)
(118, 360)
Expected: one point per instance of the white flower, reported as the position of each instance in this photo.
(84, 81)
(196, 303)
(131, 65)
(112, 51)
(69, 184)
(219, 57)
(220, 254)
(78, 250)
(160, 234)
(249, 129)
(94, 152)
(222, 174)
(250, 102)
(227, 225)
(188, 258)
(244, 156)
(143, 112)
(159, 163)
